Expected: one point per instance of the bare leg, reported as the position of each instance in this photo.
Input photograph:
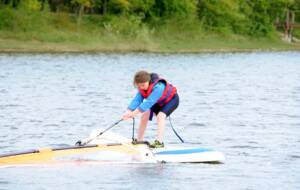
(161, 118)
(143, 125)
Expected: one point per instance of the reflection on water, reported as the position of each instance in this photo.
(245, 105)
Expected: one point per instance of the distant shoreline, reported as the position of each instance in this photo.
(154, 52)
(52, 51)
(33, 46)
(45, 48)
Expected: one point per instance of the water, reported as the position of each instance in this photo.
(246, 105)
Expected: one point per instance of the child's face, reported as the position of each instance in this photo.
(143, 86)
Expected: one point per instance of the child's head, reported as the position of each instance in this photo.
(142, 79)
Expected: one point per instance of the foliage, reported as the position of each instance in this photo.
(6, 18)
(223, 16)
(31, 5)
(118, 6)
(226, 17)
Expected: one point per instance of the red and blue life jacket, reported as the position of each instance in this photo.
(168, 93)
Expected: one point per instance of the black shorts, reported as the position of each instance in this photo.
(168, 108)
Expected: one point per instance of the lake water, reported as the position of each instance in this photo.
(246, 105)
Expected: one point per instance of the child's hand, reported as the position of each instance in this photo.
(127, 115)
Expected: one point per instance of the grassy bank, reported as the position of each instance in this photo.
(210, 44)
(60, 32)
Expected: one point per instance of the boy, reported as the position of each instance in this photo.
(155, 95)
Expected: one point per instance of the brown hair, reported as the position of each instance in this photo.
(141, 77)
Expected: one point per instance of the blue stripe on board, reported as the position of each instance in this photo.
(184, 151)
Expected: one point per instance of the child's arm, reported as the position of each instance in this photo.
(136, 101)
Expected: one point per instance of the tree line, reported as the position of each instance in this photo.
(247, 17)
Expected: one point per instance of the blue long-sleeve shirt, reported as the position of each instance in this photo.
(144, 104)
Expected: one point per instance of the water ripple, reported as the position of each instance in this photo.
(294, 157)
(245, 147)
(196, 124)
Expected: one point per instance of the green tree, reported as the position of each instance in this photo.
(31, 5)
(174, 8)
(13, 3)
(223, 16)
(141, 7)
(118, 6)
(82, 4)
